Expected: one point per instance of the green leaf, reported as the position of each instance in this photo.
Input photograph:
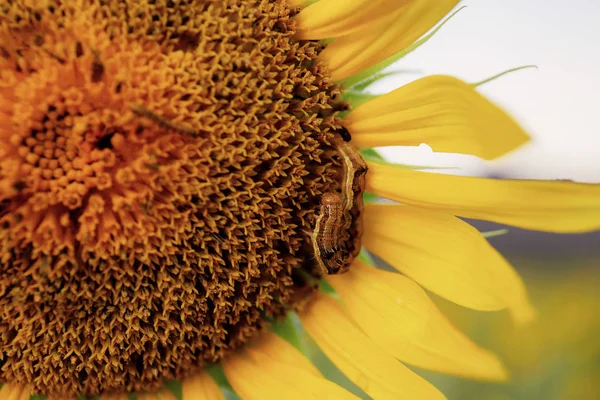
(175, 388)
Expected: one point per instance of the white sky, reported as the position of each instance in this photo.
(558, 104)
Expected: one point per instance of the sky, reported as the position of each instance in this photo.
(558, 104)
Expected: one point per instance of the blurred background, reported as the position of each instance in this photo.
(558, 103)
(558, 356)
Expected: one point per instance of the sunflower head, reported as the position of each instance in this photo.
(162, 168)
(176, 177)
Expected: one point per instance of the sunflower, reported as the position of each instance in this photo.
(179, 177)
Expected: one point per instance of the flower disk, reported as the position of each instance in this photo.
(160, 166)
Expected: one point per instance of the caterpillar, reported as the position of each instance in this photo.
(336, 215)
(326, 234)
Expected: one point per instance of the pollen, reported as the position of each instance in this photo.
(161, 164)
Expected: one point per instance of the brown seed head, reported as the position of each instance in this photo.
(131, 252)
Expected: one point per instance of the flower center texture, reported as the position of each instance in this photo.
(163, 166)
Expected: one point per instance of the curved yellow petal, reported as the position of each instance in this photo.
(397, 314)
(445, 255)
(255, 375)
(376, 372)
(271, 345)
(552, 206)
(200, 387)
(334, 18)
(362, 49)
(444, 112)
(14, 392)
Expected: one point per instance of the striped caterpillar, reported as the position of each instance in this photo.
(327, 233)
(336, 215)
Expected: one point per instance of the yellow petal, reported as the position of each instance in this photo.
(334, 18)
(444, 112)
(200, 387)
(279, 350)
(25, 394)
(256, 375)
(445, 255)
(552, 206)
(376, 372)
(14, 392)
(397, 314)
(360, 50)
